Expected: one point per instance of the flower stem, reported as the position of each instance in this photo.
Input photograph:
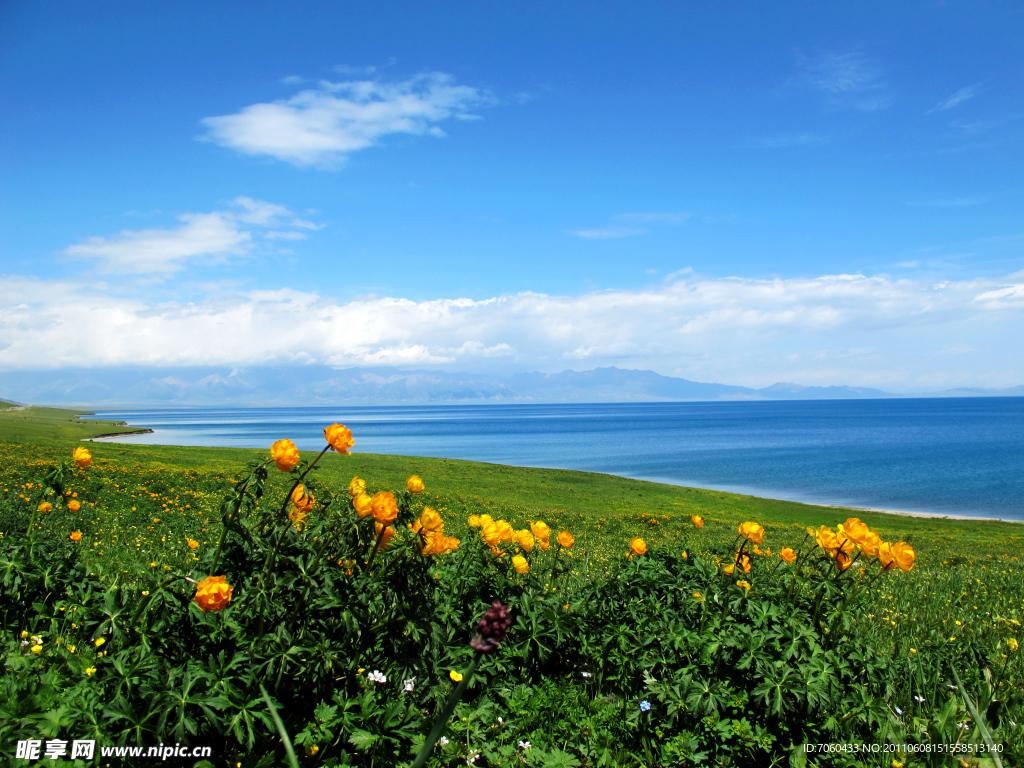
(446, 713)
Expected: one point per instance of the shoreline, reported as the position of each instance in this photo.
(905, 513)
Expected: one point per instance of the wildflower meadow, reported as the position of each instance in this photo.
(296, 610)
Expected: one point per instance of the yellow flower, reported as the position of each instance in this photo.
(74, 505)
(728, 570)
(566, 539)
(36, 649)
(76, 536)
(540, 529)
(752, 532)
(505, 530)
(455, 676)
(473, 521)
(385, 508)
(490, 534)
(854, 530)
(339, 437)
(525, 540)
(913, 650)
(192, 544)
(213, 593)
(638, 546)
(82, 457)
(99, 641)
(429, 520)
(71, 649)
(697, 520)
(24, 634)
(698, 597)
(744, 584)
(414, 484)
(788, 554)
(385, 539)
(357, 486)
(1012, 644)
(312, 750)
(826, 538)
(44, 506)
(899, 555)
(90, 671)
(870, 544)
(363, 504)
(303, 501)
(285, 455)
(520, 564)
(297, 517)
(685, 556)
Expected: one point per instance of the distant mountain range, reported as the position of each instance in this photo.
(321, 385)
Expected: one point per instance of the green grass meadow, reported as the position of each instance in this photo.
(958, 611)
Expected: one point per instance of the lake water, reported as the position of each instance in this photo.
(961, 456)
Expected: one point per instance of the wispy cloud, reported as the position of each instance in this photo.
(609, 233)
(719, 329)
(849, 79)
(210, 237)
(957, 98)
(323, 125)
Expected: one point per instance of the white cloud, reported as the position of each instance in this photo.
(830, 329)
(609, 233)
(850, 79)
(210, 237)
(957, 98)
(321, 126)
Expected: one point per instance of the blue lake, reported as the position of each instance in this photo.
(962, 456)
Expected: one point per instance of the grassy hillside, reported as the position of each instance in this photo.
(34, 424)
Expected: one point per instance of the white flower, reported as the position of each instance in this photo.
(951, 686)
(473, 755)
(899, 711)
(919, 699)
(525, 745)
(500, 721)
(410, 684)
(586, 674)
(443, 741)
(376, 677)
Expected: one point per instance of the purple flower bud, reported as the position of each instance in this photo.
(492, 628)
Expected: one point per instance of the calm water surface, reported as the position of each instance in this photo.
(955, 456)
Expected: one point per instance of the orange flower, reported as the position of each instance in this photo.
(297, 517)
(728, 570)
(788, 554)
(900, 555)
(44, 506)
(540, 529)
(357, 486)
(870, 543)
(854, 530)
(698, 521)
(525, 540)
(76, 536)
(844, 560)
(638, 546)
(74, 505)
(490, 534)
(213, 593)
(434, 543)
(744, 562)
(285, 455)
(473, 521)
(429, 520)
(452, 543)
(362, 504)
(744, 584)
(339, 437)
(303, 501)
(505, 530)
(520, 564)
(566, 539)
(752, 532)
(81, 457)
(826, 538)
(192, 544)
(545, 544)
(385, 508)
(414, 484)
(389, 534)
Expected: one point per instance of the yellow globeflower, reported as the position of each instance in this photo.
(285, 455)
(540, 529)
(385, 540)
(452, 543)
(638, 546)
(89, 672)
(414, 484)
(44, 506)
(192, 543)
(788, 554)
(870, 544)
(728, 570)
(904, 555)
(81, 457)
(520, 564)
(844, 560)
(434, 543)
(430, 520)
(356, 487)
(74, 505)
(826, 538)
(212, 594)
(363, 504)
(505, 530)
(455, 676)
(385, 508)
(76, 536)
(744, 584)
(566, 539)
(697, 520)
(473, 521)
(99, 641)
(339, 437)
(752, 532)
(525, 540)
(1012, 644)
(297, 517)
(490, 534)
(303, 501)
(854, 530)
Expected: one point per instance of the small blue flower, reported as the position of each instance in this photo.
(645, 706)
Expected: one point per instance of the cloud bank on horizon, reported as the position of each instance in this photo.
(696, 198)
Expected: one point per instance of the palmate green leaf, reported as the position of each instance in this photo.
(363, 740)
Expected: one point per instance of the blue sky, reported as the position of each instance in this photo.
(737, 192)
